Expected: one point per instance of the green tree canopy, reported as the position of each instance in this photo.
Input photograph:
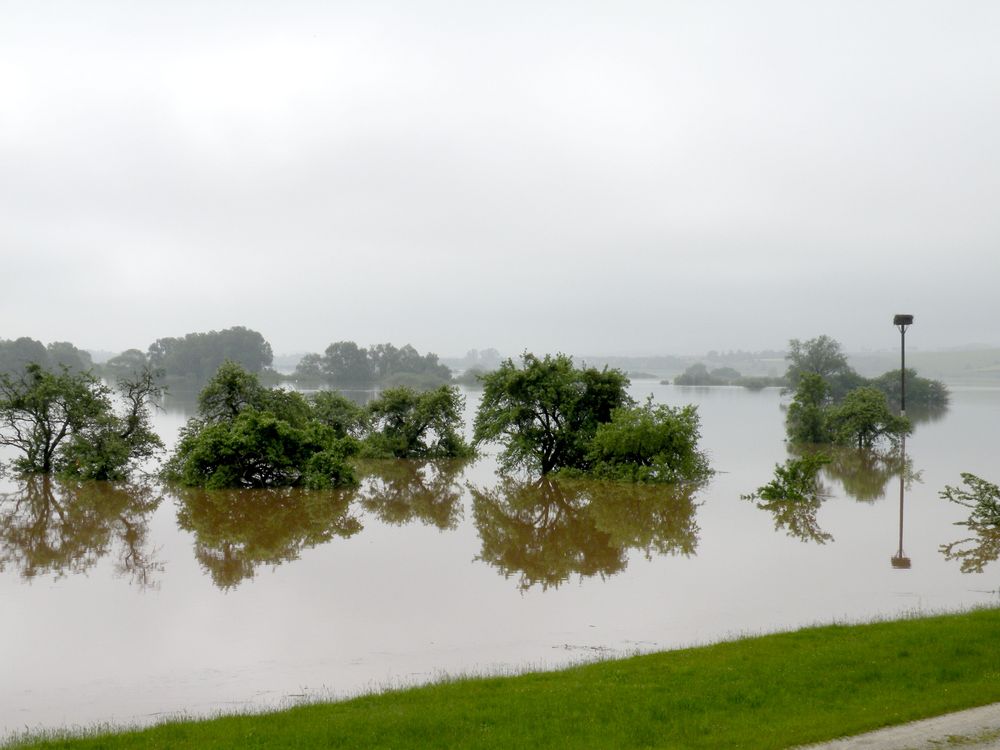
(920, 392)
(249, 436)
(340, 414)
(546, 412)
(16, 355)
(197, 356)
(41, 409)
(794, 496)
(66, 422)
(406, 424)
(110, 446)
(129, 363)
(347, 365)
(649, 443)
(863, 419)
(821, 356)
(806, 420)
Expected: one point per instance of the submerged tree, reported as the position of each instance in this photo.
(794, 497)
(806, 420)
(824, 357)
(250, 436)
(117, 441)
(920, 392)
(406, 424)
(340, 414)
(863, 419)
(546, 412)
(196, 356)
(41, 409)
(66, 422)
(982, 498)
(649, 443)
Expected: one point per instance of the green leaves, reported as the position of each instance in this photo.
(547, 411)
(65, 421)
(551, 415)
(794, 497)
(862, 419)
(251, 436)
(407, 424)
(981, 496)
(649, 444)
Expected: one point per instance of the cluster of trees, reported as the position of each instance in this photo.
(834, 404)
(862, 417)
(346, 365)
(17, 354)
(196, 356)
(699, 374)
(823, 356)
(550, 415)
(247, 435)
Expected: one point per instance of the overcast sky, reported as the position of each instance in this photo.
(617, 177)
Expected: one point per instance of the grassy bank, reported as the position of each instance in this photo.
(767, 692)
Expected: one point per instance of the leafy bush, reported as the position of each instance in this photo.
(649, 443)
(546, 411)
(250, 436)
(407, 424)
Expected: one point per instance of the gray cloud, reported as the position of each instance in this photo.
(642, 177)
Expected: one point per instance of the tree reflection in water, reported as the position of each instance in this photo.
(546, 530)
(983, 547)
(795, 496)
(238, 530)
(399, 492)
(49, 526)
(865, 473)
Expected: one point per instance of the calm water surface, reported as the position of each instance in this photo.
(129, 604)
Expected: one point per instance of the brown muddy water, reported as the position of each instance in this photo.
(129, 604)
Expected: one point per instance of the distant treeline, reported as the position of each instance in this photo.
(197, 356)
(17, 354)
(825, 357)
(699, 374)
(346, 365)
(192, 359)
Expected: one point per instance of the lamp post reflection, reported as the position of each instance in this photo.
(900, 561)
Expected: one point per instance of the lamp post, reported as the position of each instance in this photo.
(902, 322)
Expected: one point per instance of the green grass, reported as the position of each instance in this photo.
(765, 692)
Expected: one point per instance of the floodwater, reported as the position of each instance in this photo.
(129, 604)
